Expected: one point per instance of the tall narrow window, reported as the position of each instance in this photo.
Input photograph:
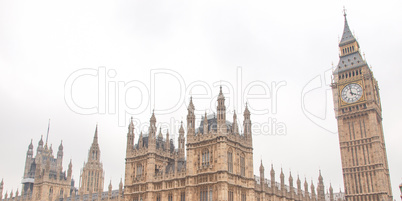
(139, 170)
(243, 197)
(230, 161)
(204, 195)
(205, 158)
(230, 195)
(242, 166)
(210, 194)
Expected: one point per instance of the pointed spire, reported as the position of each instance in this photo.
(167, 140)
(40, 144)
(181, 130)
(152, 126)
(205, 124)
(235, 127)
(160, 136)
(110, 185)
(191, 104)
(70, 169)
(95, 141)
(261, 167)
(246, 111)
(221, 96)
(320, 179)
(61, 146)
(47, 135)
(282, 176)
(290, 178)
(30, 145)
(153, 118)
(305, 183)
(131, 126)
(347, 36)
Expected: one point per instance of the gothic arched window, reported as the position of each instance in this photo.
(230, 161)
(242, 165)
(205, 158)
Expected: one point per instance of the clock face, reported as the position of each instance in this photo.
(352, 93)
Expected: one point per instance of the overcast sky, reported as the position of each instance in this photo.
(80, 63)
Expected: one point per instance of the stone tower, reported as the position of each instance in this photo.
(358, 112)
(92, 175)
(44, 178)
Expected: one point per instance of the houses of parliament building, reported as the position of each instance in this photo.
(213, 161)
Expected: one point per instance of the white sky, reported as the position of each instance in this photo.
(290, 42)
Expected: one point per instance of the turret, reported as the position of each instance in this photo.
(109, 194)
(282, 176)
(331, 193)
(140, 141)
(205, 124)
(306, 190)
(262, 176)
(291, 182)
(152, 132)
(182, 141)
(28, 160)
(221, 112)
(39, 150)
(152, 126)
(313, 196)
(272, 176)
(247, 124)
(60, 155)
(160, 136)
(299, 189)
(70, 170)
(167, 145)
(190, 118)
(120, 188)
(130, 136)
(30, 150)
(320, 189)
(235, 127)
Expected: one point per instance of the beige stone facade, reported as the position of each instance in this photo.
(218, 164)
(358, 112)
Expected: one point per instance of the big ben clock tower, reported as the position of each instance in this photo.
(358, 113)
